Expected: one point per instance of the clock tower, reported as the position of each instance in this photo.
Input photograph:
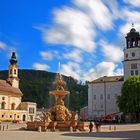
(13, 71)
(132, 54)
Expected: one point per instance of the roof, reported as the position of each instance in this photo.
(107, 79)
(5, 86)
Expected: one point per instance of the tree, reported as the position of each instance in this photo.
(129, 100)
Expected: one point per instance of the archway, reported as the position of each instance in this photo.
(13, 106)
(3, 105)
(24, 117)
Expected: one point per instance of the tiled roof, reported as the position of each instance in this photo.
(107, 79)
(5, 86)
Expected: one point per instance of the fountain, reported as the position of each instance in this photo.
(58, 116)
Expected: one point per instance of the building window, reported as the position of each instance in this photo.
(133, 54)
(13, 106)
(94, 97)
(10, 71)
(136, 72)
(101, 96)
(15, 71)
(17, 116)
(3, 105)
(101, 105)
(2, 116)
(134, 66)
(132, 72)
(31, 110)
(3, 98)
(126, 55)
(10, 116)
(108, 96)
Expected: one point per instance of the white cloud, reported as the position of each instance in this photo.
(71, 27)
(46, 55)
(102, 69)
(118, 71)
(40, 66)
(2, 45)
(75, 25)
(74, 55)
(71, 69)
(98, 12)
(111, 52)
(135, 3)
(130, 16)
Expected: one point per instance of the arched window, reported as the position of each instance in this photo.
(13, 106)
(3, 105)
(15, 71)
(10, 71)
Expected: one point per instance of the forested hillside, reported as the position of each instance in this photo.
(35, 86)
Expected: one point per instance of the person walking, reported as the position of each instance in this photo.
(90, 127)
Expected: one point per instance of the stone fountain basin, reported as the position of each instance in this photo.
(61, 125)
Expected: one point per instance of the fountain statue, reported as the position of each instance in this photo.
(59, 112)
(58, 116)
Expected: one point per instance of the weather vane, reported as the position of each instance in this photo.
(132, 24)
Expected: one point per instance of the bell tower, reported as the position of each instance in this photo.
(132, 53)
(13, 71)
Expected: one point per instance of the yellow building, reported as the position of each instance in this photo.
(11, 107)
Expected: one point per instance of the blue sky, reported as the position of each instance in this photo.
(86, 36)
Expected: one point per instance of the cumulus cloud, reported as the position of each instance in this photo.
(111, 52)
(40, 66)
(98, 12)
(72, 27)
(71, 69)
(102, 69)
(74, 55)
(46, 55)
(2, 45)
(130, 17)
(75, 25)
(135, 3)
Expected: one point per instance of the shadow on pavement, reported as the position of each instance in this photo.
(130, 135)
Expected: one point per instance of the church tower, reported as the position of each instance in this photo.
(132, 54)
(13, 72)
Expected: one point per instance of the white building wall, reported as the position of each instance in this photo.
(97, 104)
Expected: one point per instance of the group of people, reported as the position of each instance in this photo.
(97, 126)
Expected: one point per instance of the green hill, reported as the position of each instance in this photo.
(35, 86)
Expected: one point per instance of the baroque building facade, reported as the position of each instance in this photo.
(103, 92)
(11, 107)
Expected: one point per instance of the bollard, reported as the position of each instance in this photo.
(3, 128)
(71, 129)
(114, 128)
(110, 127)
(39, 129)
(7, 127)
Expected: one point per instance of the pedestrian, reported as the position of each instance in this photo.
(90, 127)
